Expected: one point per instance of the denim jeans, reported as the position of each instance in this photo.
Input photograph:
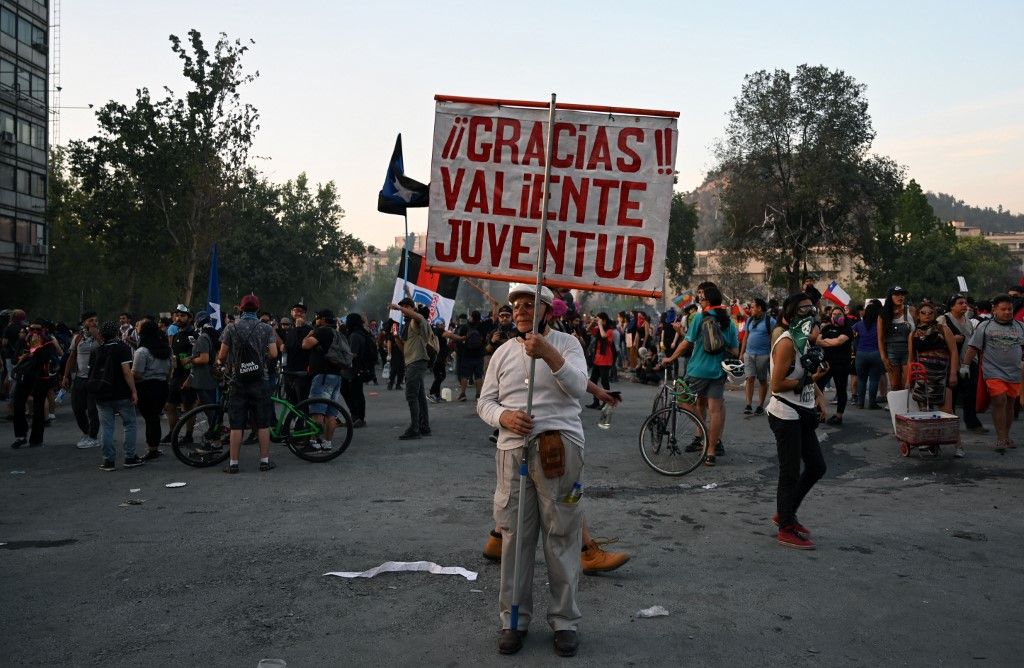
(869, 371)
(128, 419)
(325, 386)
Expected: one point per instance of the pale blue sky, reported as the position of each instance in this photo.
(945, 80)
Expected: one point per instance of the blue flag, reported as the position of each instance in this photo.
(213, 293)
(399, 191)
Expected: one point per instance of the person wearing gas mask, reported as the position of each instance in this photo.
(795, 368)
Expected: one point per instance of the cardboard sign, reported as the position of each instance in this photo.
(609, 198)
(962, 282)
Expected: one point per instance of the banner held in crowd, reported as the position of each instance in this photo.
(612, 172)
(433, 290)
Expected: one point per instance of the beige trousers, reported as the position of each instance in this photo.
(547, 516)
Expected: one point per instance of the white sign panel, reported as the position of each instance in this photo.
(608, 208)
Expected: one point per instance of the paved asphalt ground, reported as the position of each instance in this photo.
(919, 562)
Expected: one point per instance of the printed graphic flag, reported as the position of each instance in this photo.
(213, 292)
(435, 291)
(836, 294)
(399, 191)
(683, 300)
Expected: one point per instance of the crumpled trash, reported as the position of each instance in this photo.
(17, 472)
(175, 484)
(653, 611)
(710, 485)
(135, 490)
(405, 566)
(821, 434)
(906, 479)
(131, 502)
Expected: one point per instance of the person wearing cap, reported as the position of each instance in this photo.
(248, 398)
(179, 395)
(201, 378)
(895, 325)
(418, 335)
(36, 357)
(76, 374)
(559, 387)
(326, 383)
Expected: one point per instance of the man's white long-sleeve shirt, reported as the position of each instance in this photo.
(556, 395)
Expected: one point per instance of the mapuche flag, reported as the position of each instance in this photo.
(399, 191)
(433, 290)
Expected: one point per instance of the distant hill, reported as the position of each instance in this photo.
(948, 207)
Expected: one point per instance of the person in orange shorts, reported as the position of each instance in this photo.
(1000, 342)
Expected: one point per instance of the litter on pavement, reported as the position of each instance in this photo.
(407, 566)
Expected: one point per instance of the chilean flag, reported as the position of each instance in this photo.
(836, 294)
(435, 291)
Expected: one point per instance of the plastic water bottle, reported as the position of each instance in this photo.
(605, 421)
(59, 399)
(575, 494)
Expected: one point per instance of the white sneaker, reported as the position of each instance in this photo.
(959, 452)
(326, 445)
(87, 443)
(315, 444)
(51, 417)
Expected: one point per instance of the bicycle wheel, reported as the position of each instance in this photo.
(673, 441)
(306, 438)
(208, 444)
(660, 399)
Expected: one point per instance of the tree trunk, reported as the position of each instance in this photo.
(131, 299)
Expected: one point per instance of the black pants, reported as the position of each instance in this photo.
(840, 376)
(152, 397)
(416, 396)
(352, 392)
(440, 373)
(795, 441)
(38, 391)
(601, 373)
(397, 376)
(296, 386)
(965, 392)
(83, 404)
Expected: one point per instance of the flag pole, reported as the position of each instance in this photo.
(541, 262)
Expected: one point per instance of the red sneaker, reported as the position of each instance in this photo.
(790, 537)
(799, 527)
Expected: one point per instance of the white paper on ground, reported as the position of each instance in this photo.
(407, 566)
(175, 484)
(653, 611)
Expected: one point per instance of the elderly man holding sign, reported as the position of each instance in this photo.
(553, 486)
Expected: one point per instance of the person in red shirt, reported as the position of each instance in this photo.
(604, 355)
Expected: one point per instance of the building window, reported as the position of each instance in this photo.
(8, 22)
(7, 73)
(23, 232)
(6, 228)
(24, 81)
(40, 233)
(38, 185)
(38, 136)
(38, 37)
(7, 123)
(22, 181)
(6, 177)
(24, 132)
(38, 88)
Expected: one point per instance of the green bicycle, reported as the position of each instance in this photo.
(673, 438)
(200, 437)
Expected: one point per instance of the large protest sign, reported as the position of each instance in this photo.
(612, 172)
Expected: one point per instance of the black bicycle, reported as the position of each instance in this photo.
(200, 437)
(673, 439)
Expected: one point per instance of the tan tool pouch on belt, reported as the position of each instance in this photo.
(552, 454)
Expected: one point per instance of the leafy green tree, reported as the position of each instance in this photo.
(795, 168)
(680, 255)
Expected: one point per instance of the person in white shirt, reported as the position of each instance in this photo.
(550, 503)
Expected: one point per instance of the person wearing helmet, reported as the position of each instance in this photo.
(554, 426)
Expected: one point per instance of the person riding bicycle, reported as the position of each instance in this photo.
(245, 346)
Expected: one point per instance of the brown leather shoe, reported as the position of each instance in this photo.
(510, 642)
(566, 643)
(492, 549)
(593, 559)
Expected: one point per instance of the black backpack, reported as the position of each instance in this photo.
(366, 358)
(101, 380)
(249, 362)
(474, 341)
(711, 336)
